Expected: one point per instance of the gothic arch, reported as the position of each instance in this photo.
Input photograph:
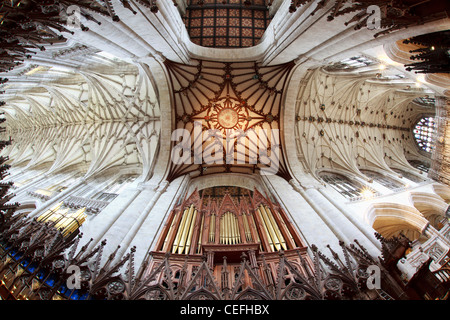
(391, 219)
(442, 191)
(230, 179)
(201, 294)
(431, 206)
(411, 175)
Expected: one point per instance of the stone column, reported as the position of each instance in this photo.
(99, 225)
(314, 199)
(132, 232)
(145, 231)
(365, 229)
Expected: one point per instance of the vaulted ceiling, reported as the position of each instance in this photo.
(348, 121)
(100, 114)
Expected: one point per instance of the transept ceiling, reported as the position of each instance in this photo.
(351, 121)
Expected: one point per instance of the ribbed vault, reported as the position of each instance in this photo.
(97, 116)
(349, 120)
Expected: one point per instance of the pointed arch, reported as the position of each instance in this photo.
(391, 219)
(431, 206)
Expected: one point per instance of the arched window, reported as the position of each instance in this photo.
(419, 165)
(348, 188)
(385, 181)
(410, 176)
(423, 133)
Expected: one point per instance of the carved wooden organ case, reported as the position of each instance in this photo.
(223, 230)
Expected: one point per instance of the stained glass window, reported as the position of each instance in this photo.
(423, 133)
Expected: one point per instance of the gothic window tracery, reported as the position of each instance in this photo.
(384, 180)
(410, 176)
(98, 195)
(346, 187)
(350, 64)
(419, 165)
(423, 133)
(58, 184)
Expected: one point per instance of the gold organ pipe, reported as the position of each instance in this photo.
(286, 227)
(199, 243)
(191, 230)
(212, 227)
(233, 228)
(169, 233)
(179, 232)
(228, 220)
(185, 230)
(49, 212)
(59, 218)
(237, 235)
(276, 240)
(221, 226)
(248, 234)
(230, 229)
(276, 228)
(271, 244)
(225, 231)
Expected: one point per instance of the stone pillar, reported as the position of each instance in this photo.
(132, 232)
(316, 201)
(145, 232)
(99, 225)
(365, 229)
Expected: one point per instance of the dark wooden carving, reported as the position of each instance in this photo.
(395, 15)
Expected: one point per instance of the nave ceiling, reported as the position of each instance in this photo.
(100, 113)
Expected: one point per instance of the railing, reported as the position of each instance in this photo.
(41, 194)
(443, 275)
(92, 206)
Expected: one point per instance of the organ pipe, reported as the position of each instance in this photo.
(229, 229)
(185, 229)
(225, 224)
(275, 227)
(264, 224)
(179, 231)
(191, 230)
(212, 227)
(248, 235)
(199, 243)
